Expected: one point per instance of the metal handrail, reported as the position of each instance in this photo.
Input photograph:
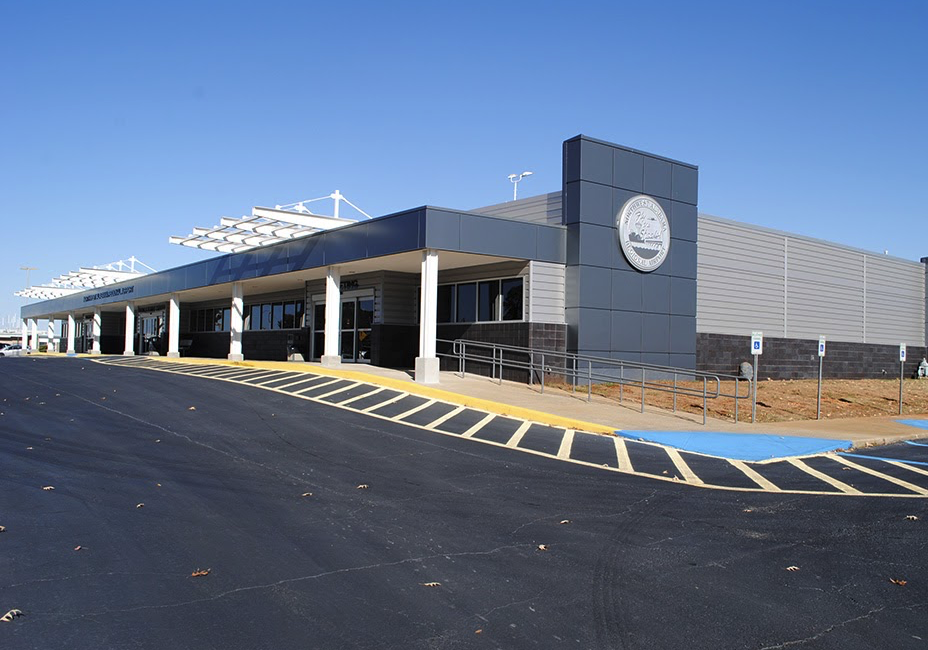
(575, 367)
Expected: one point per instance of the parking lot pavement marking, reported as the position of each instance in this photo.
(688, 475)
(384, 403)
(315, 386)
(414, 409)
(444, 418)
(338, 390)
(885, 477)
(567, 442)
(300, 381)
(518, 434)
(621, 455)
(844, 487)
(559, 448)
(908, 466)
(361, 396)
(754, 476)
(477, 427)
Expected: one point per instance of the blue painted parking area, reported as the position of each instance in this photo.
(741, 446)
(921, 424)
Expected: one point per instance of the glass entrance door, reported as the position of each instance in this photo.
(151, 332)
(355, 321)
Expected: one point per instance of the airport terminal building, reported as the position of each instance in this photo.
(618, 264)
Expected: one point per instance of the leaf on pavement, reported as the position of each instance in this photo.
(10, 615)
(28, 448)
(792, 568)
(363, 486)
(565, 521)
(2, 529)
(911, 517)
(306, 494)
(431, 584)
(901, 583)
(542, 547)
(48, 488)
(140, 505)
(192, 408)
(78, 548)
(480, 631)
(199, 573)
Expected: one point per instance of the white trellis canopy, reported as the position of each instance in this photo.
(86, 277)
(266, 226)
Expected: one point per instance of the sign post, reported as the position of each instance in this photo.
(901, 373)
(821, 358)
(757, 349)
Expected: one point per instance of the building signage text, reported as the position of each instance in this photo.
(644, 232)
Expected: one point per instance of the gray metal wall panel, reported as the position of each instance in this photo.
(544, 208)
(546, 287)
(752, 278)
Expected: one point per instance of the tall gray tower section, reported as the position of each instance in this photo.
(615, 310)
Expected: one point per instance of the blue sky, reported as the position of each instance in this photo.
(124, 123)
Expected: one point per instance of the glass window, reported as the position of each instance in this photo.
(266, 316)
(512, 298)
(217, 319)
(445, 303)
(299, 314)
(255, 318)
(227, 319)
(365, 313)
(277, 316)
(196, 321)
(487, 300)
(289, 315)
(319, 316)
(348, 345)
(467, 303)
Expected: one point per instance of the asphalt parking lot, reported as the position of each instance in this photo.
(158, 475)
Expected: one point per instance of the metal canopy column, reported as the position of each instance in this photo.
(237, 322)
(35, 334)
(174, 326)
(97, 327)
(25, 341)
(427, 363)
(129, 349)
(70, 348)
(333, 304)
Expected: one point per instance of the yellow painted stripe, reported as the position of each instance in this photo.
(315, 386)
(477, 427)
(621, 455)
(380, 404)
(567, 442)
(682, 467)
(338, 390)
(414, 409)
(892, 479)
(753, 475)
(518, 435)
(447, 416)
(844, 487)
(303, 380)
(911, 468)
(362, 396)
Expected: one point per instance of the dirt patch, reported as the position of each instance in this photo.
(787, 400)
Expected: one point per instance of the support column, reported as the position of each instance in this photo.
(35, 335)
(174, 326)
(25, 341)
(333, 304)
(50, 334)
(237, 322)
(427, 363)
(129, 348)
(70, 348)
(96, 330)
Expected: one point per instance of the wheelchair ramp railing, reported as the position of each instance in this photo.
(582, 371)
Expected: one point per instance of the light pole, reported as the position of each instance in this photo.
(514, 179)
(27, 269)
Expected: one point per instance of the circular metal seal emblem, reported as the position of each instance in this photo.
(644, 232)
